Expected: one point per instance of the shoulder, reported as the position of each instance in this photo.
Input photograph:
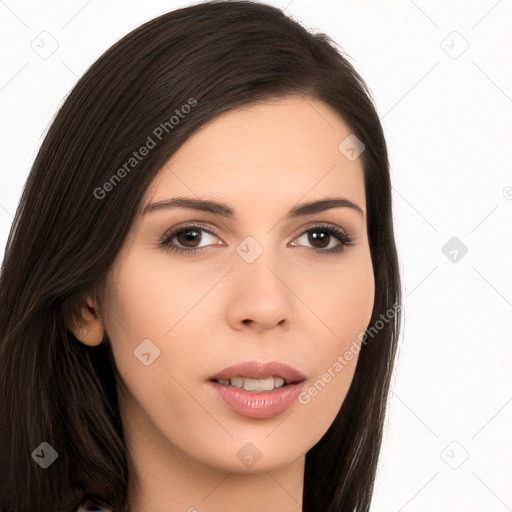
(90, 504)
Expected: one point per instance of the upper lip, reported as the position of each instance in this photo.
(260, 370)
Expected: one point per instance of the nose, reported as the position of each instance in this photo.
(260, 297)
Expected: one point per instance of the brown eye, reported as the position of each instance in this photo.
(186, 239)
(319, 239)
(326, 239)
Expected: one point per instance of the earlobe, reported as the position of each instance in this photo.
(88, 327)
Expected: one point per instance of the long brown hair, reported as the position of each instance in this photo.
(70, 226)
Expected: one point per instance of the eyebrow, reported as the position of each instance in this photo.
(225, 210)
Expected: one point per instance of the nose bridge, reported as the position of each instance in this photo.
(260, 294)
(260, 259)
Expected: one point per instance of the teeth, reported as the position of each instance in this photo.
(267, 384)
(238, 382)
(258, 384)
(278, 382)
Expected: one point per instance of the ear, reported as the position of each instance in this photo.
(87, 325)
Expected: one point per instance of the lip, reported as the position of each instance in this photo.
(260, 370)
(259, 404)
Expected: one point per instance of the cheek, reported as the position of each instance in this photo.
(146, 321)
(344, 305)
(147, 300)
(340, 297)
(152, 321)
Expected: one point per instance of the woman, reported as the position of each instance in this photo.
(200, 295)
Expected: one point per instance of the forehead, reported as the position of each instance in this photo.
(276, 151)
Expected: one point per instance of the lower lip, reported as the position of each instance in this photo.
(258, 404)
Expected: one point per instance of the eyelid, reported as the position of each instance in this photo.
(319, 225)
(181, 227)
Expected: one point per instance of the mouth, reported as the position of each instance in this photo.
(258, 390)
(257, 385)
(258, 376)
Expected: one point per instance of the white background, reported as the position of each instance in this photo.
(447, 115)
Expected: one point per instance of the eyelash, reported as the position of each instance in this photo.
(331, 230)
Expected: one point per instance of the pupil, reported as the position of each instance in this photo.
(314, 238)
(189, 237)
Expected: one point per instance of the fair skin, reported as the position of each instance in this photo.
(208, 310)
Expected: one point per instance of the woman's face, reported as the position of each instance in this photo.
(263, 286)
